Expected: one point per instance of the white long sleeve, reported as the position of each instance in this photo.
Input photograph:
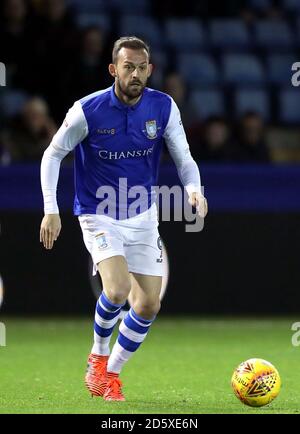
(72, 131)
(178, 147)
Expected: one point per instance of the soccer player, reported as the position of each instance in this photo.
(117, 134)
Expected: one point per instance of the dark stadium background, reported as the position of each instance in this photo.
(228, 65)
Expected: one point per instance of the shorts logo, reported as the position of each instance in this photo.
(101, 241)
(151, 129)
(159, 245)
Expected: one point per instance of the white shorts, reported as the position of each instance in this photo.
(136, 238)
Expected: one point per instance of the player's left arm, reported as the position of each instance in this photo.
(187, 168)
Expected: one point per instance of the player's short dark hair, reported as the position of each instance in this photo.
(129, 42)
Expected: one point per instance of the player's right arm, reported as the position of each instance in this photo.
(72, 131)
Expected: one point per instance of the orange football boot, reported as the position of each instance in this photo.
(96, 376)
(113, 391)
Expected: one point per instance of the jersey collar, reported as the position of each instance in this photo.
(115, 102)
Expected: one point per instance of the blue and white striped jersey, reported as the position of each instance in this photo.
(115, 141)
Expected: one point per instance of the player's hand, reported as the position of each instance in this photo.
(50, 229)
(199, 202)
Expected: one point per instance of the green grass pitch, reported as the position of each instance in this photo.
(184, 366)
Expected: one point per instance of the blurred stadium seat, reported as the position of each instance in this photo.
(159, 59)
(198, 69)
(291, 5)
(297, 31)
(11, 102)
(99, 20)
(273, 34)
(229, 33)
(259, 5)
(289, 106)
(88, 6)
(130, 6)
(160, 62)
(208, 102)
(142, 26)
(243, 69)
(279, 67)
(185, 34)
(219, 55)
(256, 100)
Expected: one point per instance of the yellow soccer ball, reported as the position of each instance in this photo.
(256, 382)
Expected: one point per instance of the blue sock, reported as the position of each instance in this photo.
(106, 317)
(132, 332)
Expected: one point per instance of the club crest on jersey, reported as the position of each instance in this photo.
(151, 129)
(101, 241)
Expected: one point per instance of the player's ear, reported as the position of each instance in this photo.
(150, 69)
(112, 69)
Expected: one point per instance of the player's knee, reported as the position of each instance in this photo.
(117, 291)
(147, 309)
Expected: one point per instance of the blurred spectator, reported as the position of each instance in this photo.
(216, 141)
(89, 72)
(28, 135)
(251, 144)
(57, 31)
(4, 155)
(175, 87)
(14, 37)
(54, 48)
(46, 54)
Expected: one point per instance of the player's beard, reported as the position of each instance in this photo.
(130, 91)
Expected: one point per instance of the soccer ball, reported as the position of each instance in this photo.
(256, 382)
